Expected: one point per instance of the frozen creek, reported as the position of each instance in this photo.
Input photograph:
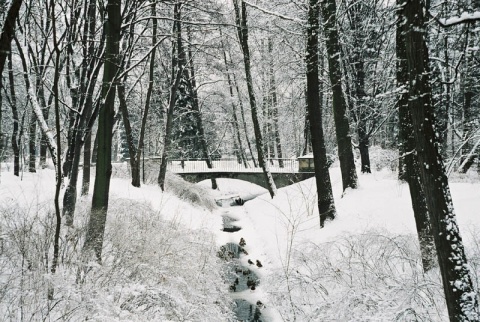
(238, 277)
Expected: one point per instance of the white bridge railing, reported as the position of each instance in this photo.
(230, 165)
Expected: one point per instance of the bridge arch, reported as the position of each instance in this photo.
(282, 179)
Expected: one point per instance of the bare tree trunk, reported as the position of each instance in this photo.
(470, 83)
(13, 102)
(32, 144)
(326, 205)
(89, 52)
(132, 152)
(98, 214)
(274, 107)
(241, 19)
(140, 146)
(83, 99)
(409, 167)
(460, 295)
(168, 130)
(307, 135)
(8, 32)
(2, 141)
(344, 142)
(244, 122)
(87, 152)
(58, 172)
(235, 122)
(198, 114)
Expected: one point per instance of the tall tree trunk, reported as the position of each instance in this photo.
(98, 214)
(470, 84)
(95, 149)
(177, 72)
(140, 146)
(244, 122)
(307, 135)
(58, 166)
(37, 114)
(168, 130)
(198, 114)
(127, 42)
(8, 32)
(90, 53)
(83, 99)
(2, 141)
(409, 167)
(358, 66)
(266, 121)
(87, 154)
(241, 20)
(32, 143)
(235, 122)
(344, 142)
(274, 106)
(16, 121)
(132, 153)
(460, 295)
(326, 205)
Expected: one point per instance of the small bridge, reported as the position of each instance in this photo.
(284, 171)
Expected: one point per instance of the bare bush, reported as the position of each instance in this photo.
(192, 193)
(383, 158)
(366, 277)
(153, 269)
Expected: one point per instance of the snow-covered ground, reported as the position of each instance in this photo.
(363, 266)
(161, 264)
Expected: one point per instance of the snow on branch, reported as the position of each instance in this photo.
(276, 14)
(465, 17)
(43, 124)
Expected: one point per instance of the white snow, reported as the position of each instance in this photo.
(463, 18)
(361, 266)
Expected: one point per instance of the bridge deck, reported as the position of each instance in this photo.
(196, 166)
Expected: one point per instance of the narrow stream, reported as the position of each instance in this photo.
(238, 277)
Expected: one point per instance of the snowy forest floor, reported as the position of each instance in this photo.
(160, 252)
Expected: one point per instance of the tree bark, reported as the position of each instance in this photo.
(326, 205)
(16, 120)
(244, 122)
(344, 142)
(58, 166)
(98, 214)
(470, 83)
(82, 121)
(235, 122)
(460, 295)
(8, 32)
(274, 107)
(241, 20)
(409, 166)
(198, 114)
(140, 146)
(168, 130)
(87, 154)
(32, 144)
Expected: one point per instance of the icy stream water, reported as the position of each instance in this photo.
(240, 278)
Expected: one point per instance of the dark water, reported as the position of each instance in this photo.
(239, 277)
(228, 226)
